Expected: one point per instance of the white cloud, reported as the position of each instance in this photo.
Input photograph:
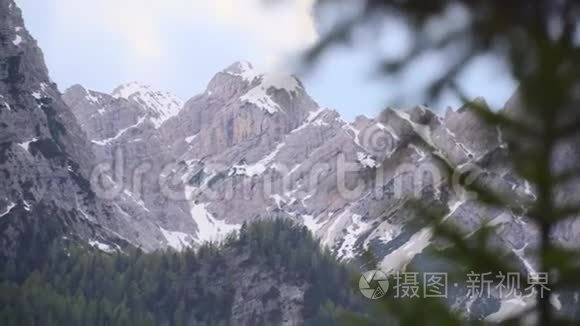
(127, 21)
(138, 23)
(273, 31)
(278, 29)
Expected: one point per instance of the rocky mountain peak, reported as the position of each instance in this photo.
(250, 85)
(92, 98)
(161, 105)
(243, 69)
(276, 79)
(268, 79)
(242, 105)
(268, 85)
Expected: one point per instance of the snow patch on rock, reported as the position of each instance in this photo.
(119, 134)
(259, 96)
(26, 144)
(313, 119)
(279, 200)
(8, 209)
(137, 200)
(245, 70)
(388, 129)
(190, 139)
(17, 40)
(101, 246)
(398, 259)
(209, 228)
(311, 223)
(366, 160)
(93, 99)
(510, 308)
(259, 167)
(162, 105)
(453, 207)
(177, 240)
(353, 233)
(6, 105)
(421, 130)
(521, 255)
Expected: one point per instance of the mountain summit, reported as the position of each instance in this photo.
(160, 106)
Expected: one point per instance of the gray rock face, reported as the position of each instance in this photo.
(123, 128)
(245, 117)
(44, 161)
(256, 145)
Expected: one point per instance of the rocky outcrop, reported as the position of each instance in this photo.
(45, 161)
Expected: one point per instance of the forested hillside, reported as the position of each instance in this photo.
(272, 267)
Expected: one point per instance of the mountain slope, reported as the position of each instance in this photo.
(281, 278)
(293, 159)
(236, 156)
(43, 158)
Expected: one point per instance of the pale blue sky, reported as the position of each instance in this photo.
(178, 45)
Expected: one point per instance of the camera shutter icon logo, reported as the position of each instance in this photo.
(373, 284)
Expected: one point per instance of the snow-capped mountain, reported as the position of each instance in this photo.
(140, 166)
(160, 106)
(255, 145)
(249, 131)
(239, 155)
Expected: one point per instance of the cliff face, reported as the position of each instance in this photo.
(45, 158)
(140, 166)
(255, 145)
